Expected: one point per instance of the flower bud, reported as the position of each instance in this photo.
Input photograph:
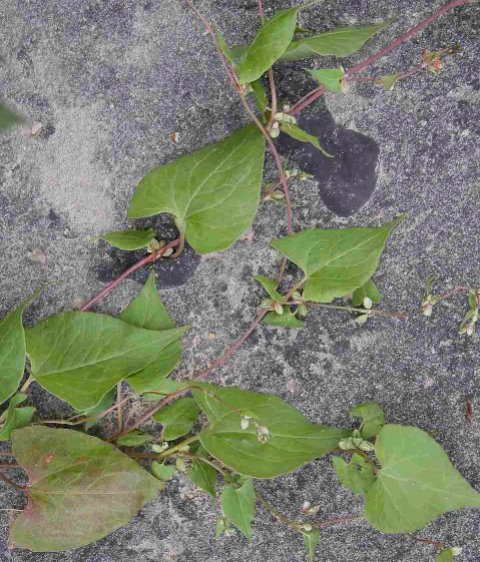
(244, 423)
(366, 446)
(367, 303)
(275, 130)
(307, 527)
(302, 309)
(168, 252)
(278, 308)
(456, 550)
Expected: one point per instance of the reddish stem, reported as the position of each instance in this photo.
(436, 544)
(318, 92)
(410, 33)
(337, 520)
(151, 258)
(452, 292)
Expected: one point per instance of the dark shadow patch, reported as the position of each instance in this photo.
(347, 181)
(170, 272)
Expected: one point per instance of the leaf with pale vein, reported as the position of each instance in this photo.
(270, 43)
(291, 441)
(417, 482)
(335, 261)
(80, 356)
(341, 42)
(238, 506)
(213, 193)
(80, 489)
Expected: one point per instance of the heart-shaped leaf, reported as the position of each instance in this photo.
(12, 351)
(130, 239)
(80, 356)
(277, 440)
(268, 46)
(80, 489)
(335, 262)
(238, 506)
(341, 42)
(213, 193)
(148, 311)
(416, 484)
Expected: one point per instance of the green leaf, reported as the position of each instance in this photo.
(335, 262)
(238, 506)
(134, 439)
(330, 78)
(389, 80)
(203, 476)
(8, 118)
(369, 290)
(357, 476)
(341, 42)
(177, 418)
(163, 472)
(130, 239)
(80, 356)
(212, 193)
(270, 287)
(285, 320)
(260, 94)
(291, 441)
(147, 311)
(295, 132)
(12, 351)
(311, 540)
(15, 418)
(373, 418)
(268, 46)
(80, 489)
(416, 484)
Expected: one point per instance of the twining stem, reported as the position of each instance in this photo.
(318, 92)
(435, 544)
(11, 482)
(377, 311)
(150, 258)
(452, 292)
(298, 525)
(337, 520)
(278, 516)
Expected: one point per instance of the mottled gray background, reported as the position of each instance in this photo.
(110, 80)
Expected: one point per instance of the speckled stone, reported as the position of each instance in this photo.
(110, 81)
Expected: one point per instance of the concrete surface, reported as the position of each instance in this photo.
(110, 80)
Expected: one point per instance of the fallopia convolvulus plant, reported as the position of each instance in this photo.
(224, 439)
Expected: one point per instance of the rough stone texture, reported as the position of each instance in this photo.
(110, 80)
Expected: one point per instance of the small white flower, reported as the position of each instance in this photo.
(456, 550)
(244, 423)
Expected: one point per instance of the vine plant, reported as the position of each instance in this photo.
(82, 357)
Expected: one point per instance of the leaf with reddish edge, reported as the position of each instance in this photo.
(80, 489)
